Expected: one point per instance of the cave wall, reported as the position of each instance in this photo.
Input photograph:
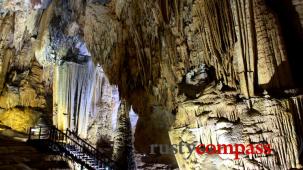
(160, 46)
(223, 119)
(153, 51)
(25, 87)
(149, 47)
(45, 65)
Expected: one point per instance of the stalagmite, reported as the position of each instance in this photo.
(123, 151)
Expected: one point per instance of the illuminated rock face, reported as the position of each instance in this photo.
(49, 70)
(152, 51)
(73, 96)
(20, 120)
(103, 110)
(241, 41)
(82, 99)
(221, 119)
(25, 85)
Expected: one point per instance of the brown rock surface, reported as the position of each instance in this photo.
(149, 49)
(19, 155)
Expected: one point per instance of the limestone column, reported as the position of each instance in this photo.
(122, 151)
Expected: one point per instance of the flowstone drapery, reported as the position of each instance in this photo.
(73, 85)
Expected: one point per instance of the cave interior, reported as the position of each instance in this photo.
(133, 84)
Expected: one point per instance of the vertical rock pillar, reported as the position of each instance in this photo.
(73, 87)
(122, 152)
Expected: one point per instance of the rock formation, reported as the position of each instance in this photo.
(195, 71)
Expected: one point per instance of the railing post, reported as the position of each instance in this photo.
(51, 131)
(67, 131)
(53, 135)
(29, 134)
(59, 137)
(39, 132)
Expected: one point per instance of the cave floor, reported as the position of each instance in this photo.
(15, 154)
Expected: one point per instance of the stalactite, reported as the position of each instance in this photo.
(140, 55)
(165, 9)
(259, 51)
(103, 109)
(74, 95)
(6, 27)
(220, 25)
(5, 58)
(147, 48)
(273, 68)
(218, 38)
(245, 49)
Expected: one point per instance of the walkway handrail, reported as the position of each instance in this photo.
(95, 150)
(69, 139)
